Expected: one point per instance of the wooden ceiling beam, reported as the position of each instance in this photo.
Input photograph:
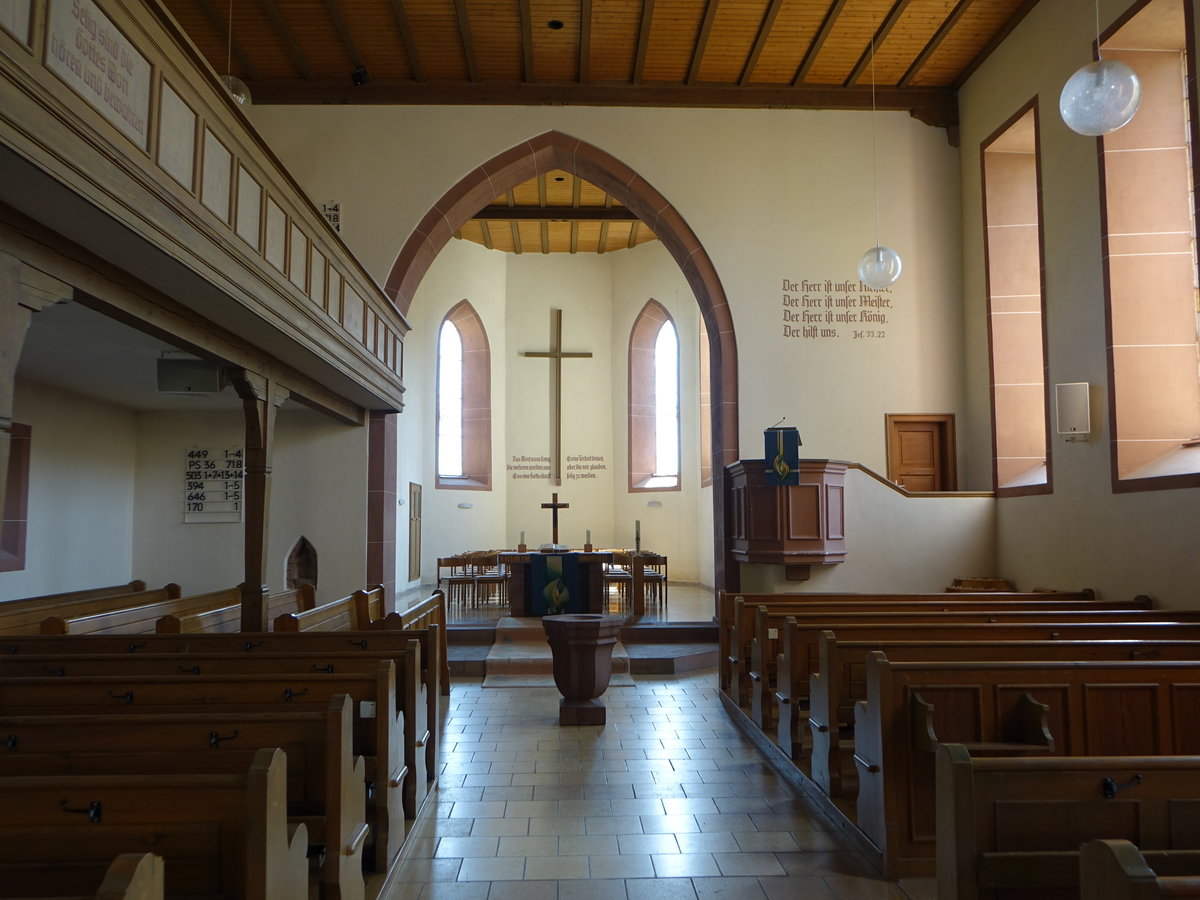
(710, 13)
(526, 14)
(289, 41)
(497, 213)
(764, 32)
(462, 15)
(225, 29)
(585, 41)
(633, 233)
(934, 42)
(939, 105)
(406, 37)
(516, 236)
(818, 41)
(545, 229)
(639, 60)
(888, 23)
(343, 30)
(487, 236)
(1012, 22)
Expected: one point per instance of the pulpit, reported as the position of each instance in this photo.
(546, 584)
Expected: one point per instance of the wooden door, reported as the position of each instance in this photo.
(414, 531)
(921, 452)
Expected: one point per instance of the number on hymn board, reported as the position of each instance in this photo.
(212, 484)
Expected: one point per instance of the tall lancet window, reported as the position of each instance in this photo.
(654, 401)
(464, 405)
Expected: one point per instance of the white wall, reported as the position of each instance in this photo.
(1082, 533)
(81, 487)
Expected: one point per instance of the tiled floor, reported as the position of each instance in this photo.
(666, 801)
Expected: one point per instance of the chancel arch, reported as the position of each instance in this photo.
(555, 150)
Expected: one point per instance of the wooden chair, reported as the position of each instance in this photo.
(654, 575)
(490, 579)
(618, 579)
(457, 582)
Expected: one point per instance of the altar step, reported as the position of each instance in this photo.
(667, 648)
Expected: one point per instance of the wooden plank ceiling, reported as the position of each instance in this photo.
(798, 54)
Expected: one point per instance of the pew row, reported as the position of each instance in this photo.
(26, 616)
(228, 619)
(351, 613)
(309, 646)
(390, 741)
(139, 617)
(1012, 827)
(841, 680)
(727, 602)
(326, 788)
(1117, 870)
(425, 614)
(1001, 708)
(222, 836)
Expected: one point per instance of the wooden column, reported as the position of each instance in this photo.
(261, 399)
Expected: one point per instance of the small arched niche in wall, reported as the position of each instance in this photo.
(302, 564)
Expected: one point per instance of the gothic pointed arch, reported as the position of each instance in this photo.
(653, 467)
(555, 150)
(302, 564)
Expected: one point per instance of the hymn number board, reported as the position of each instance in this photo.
(212, 485)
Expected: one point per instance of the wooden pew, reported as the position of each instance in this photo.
(326, 781)
(396, 759)
(133, 876)
(428, 613)
(421, 728)
(352, 613)
(841, 679)
(140, 618)
(228, 619)
(772, 621)
(726, 604)
(1012, 827)
(26, 616)
(1117, 870)
(1001, 708)
(767, 620)
(222, 836)
(112, 590)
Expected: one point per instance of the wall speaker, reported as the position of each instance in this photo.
(1073, 407)
(189, 376)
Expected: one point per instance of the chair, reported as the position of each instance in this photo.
(654, 577)
(490, 577)
(458, 583)
(618, 578)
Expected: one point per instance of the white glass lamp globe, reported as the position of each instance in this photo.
(1100, 97)
(879, 267)
(237, 89)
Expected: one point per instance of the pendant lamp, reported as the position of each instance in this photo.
(880, 266)
(236, 87)
(1101, 96)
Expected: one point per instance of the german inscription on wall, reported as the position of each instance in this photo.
(212, 484)
(87, 51)
(829, 310)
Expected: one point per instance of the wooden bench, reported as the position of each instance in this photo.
(727, 604)
(1117, 870)
(326, 781)
(1001, 708)
(111, 590)
(351, 613)
(140, 618)
(1015, 825)
(425, 614)
(769, 621)
(841, 679)
(228, 619)
(222, 836)
(390, 741)
(26, 616)
(133, 876)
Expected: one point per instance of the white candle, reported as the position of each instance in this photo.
(637, 529)
(588, 538)
(522, 537)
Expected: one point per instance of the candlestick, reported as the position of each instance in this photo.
(637, 535)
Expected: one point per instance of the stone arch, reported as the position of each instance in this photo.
(302, 564)
(555, 150)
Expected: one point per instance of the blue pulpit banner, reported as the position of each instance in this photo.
(555, 584)
(781, 450)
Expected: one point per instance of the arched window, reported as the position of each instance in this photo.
(653, 401)
(464, 402)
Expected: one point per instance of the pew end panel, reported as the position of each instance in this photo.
(1117, 870)
(133, 876)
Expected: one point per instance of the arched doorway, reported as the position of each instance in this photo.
(555, 150)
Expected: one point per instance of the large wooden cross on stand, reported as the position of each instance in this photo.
(556, 354)
(554, 506)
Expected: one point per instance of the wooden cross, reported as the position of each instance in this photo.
(554, 506)
(557, 355)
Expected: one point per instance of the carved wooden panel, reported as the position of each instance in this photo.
(1064, 824)
(1122, 719)
(804, 512)
(1185, 701)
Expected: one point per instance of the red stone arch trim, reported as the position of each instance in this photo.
(555, 150)
(476, 401)
(641, 414)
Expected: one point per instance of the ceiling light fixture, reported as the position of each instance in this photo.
(1101, 96)
(236, 87)
(360, 76)
(880, 266)
(555, 24)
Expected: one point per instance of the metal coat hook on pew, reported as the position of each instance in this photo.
(1109, 787)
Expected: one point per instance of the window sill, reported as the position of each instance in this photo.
(462, 483)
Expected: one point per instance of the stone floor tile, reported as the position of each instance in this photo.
(422, 870)
(854, 887)
(692, 806)
(821, 862)
(585, 807)
(644, 807)
(531, 808)
(919, 888)
(524, 890)
(793, 887)
(499, 827)
(588, 845)
(654, 844)
(528, 845)
(685, 865)
(712, 842)
(498, 868)
(508, 792)
(442, 890)
(681, 824)
(743, 888)
(560, 825)
(765, 841)
(556, 867)
(467, 847)
(613, 825)
(478, 810)
(726, 822)
(632, 865)
(747, 864)
(606, 889)
(660, 889)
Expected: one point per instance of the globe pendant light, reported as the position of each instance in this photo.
(880, 266)
(235, 86)
(1101, 96)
